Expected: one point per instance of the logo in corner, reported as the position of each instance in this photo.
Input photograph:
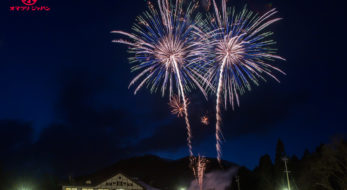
(29, 6)
(29, 2)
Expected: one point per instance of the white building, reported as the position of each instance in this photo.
(117, 182)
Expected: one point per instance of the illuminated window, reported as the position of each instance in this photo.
(87, 188)
(71, 188)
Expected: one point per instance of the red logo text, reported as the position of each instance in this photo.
(29, 5)
(29, 2)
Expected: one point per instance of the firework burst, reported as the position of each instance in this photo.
(204, 120)
(239, 54)
(168, 50)
(177, 107)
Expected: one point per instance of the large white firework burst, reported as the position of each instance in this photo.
(168, 51)
(240, 52)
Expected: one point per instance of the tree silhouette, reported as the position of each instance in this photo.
(264, 173)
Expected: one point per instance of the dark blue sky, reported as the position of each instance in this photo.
(64, 89)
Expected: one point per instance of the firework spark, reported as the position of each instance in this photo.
(240, 50)
(199, 169)
(205, 120)
(177, 107)
(168, 50)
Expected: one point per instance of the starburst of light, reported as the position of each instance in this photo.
(177, 107)
(168, 51)
(240, 52)
(205, 120)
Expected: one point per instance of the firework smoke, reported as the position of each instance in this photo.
(218, 180)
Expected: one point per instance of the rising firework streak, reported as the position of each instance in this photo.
(199, 170)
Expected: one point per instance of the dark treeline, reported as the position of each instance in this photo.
(323, 169)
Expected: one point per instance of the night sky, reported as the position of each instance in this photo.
(64, 90)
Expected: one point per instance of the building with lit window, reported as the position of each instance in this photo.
(116, 182)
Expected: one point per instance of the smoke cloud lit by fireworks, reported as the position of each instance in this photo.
(218, 180)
